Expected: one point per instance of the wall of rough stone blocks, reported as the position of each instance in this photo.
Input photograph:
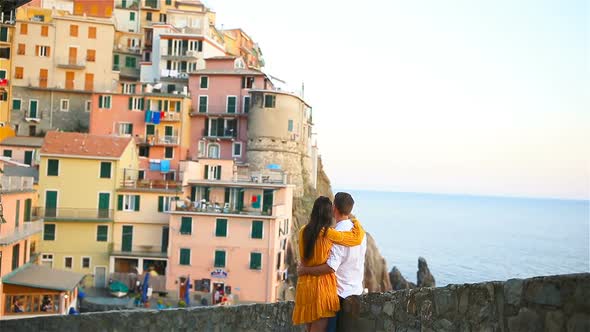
(557, 303)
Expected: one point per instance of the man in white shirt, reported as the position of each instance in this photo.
(347, 262)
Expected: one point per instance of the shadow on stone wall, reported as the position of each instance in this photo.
(557, 303)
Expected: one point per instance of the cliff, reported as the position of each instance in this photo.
(376, 272)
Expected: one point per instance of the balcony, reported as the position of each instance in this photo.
(226, 134)
(22, 232)
(207, 207)
(171, 117)
(160, 140)
(150, 185)
(76, 214)
(138, 250)
(183, 55)
(71, 63)
(16, 184)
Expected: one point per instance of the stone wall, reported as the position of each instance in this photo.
(557, 303)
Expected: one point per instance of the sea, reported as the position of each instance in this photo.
(468, 239)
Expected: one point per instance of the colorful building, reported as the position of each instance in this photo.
(78, 227)
(20, 227)
(59, 60)
(238, 43)
(231, 234)
(7, 21)
(22, 149)
(221, 97)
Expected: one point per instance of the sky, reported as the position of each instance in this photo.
(474, 97)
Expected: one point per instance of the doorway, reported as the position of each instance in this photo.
(103, 204)
(51, 203)
(217, 286)
(100, 277)
(29, 158)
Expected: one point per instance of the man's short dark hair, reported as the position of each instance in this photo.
(343, 203)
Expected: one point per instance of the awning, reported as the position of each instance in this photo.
(37, 276)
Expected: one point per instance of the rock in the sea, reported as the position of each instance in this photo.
(425, 278)
(398, 281)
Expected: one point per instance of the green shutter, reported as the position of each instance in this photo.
(160, 203)
(150, 129)
(141, 103)
(219, 258)
(218, 173)
(4, 34)
(186, 225)
(105, 170)
(100, 102)
(102, 233)
(49, 232)
(207, 192)
(202, 104)
(221, 228)
(290, 125)
(255, 261)
(119, 202)
(206, 175)
(231, 104)
(16, 104)
(7, 153)
(227, 194)
(246, 104)
(17, 214)
(130, 103)
(257, 226)
(185, 256)
(52, 167)
(137, 199)
(28, 203)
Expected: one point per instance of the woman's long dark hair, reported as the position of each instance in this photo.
(321, 218)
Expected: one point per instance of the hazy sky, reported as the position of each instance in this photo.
(481, 97)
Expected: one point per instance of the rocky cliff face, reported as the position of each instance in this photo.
(376, 272)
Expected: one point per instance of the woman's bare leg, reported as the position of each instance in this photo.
(308, 327)
(319, 325)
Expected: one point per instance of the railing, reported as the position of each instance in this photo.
(228, 133)
(171, 116)
(184, 53)
(16, 183)
(220, 109)
(71, 62)
(36, 82)
(151, 184)
(23, 231)
(161, 140)
(76, 214)
(211, 207)
(157, 283)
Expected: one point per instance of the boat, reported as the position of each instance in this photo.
(118, 289)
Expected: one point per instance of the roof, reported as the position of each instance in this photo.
(37, 276)
(232, 71)
(34, 142)
(84, 145)
(222, 57)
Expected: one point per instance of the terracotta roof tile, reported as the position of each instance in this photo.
(87, 145)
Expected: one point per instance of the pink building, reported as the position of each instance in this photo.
(158, 121)
(22, 149)
(221, 105)
(231, 236)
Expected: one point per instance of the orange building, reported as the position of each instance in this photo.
(94, 8)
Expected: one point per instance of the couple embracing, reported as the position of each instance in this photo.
(332, 260)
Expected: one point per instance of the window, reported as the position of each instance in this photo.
(91, 55)
(21, 49)
(73, 30)
(130, 62)
(4, 34)
(204, 82)
(144, 151)
(237, 149)
(47, 258)
(19, 72)
(255, 261)
(290, 125)
(213, 172)
(148, 16)
(87, 105)
(203, 103)
(102, 233)
(202, 149)
(7, 153)
(44, 31)
(185, 256)
(257, 227)
(163, 18)
(168, 2)
(131, 16)
(246, 104)
(92, 32)
(128, 88)
(15, 256)
(128, 203)
(49, 232)
(104, 102)
(85, 262)
(247, 82)
(125, 129)
(105, 169)
(186, 225)
(219, 258)
(64, 105)
(231, 104)
(164, 203)
(221, 228)
(24, 28)
(52, 167)
(68, 262)
(169, 152)
(135, 104)
(16, 104)
(269, 101)
(141, 174)
(42, 51)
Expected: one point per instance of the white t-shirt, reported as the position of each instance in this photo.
(349, 264)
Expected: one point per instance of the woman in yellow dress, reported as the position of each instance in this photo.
(316, 297)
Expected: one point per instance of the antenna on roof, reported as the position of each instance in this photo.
(302, 90)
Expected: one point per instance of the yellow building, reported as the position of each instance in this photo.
(78, 177)
(58, 61)
(6, 37)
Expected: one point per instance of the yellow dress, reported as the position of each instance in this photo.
(316, 296)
